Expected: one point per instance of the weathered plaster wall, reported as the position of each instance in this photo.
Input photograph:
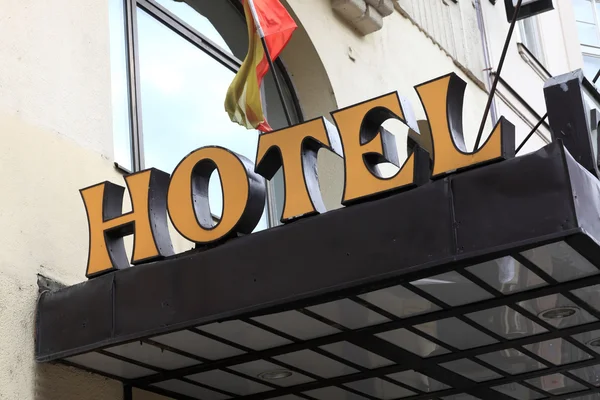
(55, 68)
(55, 125)
(45, 232)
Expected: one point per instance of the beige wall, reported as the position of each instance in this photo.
(55, 126)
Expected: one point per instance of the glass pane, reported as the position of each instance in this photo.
(452, 288)
(220, 21)
(245, 334)
(256, 368)
(511, 361)
(380, 389)
(531, 38)
(590, 295)
(152, 355)
(583, 10)
(356, 355)
(561, 261)
(595, 396)
(506, 322)
(556, 384)
(399, 301)
(591, 66)
(229, 382)
(274, 107)
(297, 324)
(183, 90)
(590, 339)
(456, 333)
(413, 343)
(316, 363)
(557, 310)
(558, 351)
(472, 370)
(120, 85)
(333, 393)
(518, 392)
(589, 374)
(348, 313)
(462, 396)
(418, 381)
(507, 275)
(188, 389)
(588, 34)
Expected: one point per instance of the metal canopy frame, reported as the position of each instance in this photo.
(278, 282)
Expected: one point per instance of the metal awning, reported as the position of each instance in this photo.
(483, 285)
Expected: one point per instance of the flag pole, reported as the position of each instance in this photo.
(271, 65)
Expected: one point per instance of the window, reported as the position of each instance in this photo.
(587, 14)
(170, 82)
(531, 38)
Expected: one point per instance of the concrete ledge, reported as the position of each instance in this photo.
(366, 16)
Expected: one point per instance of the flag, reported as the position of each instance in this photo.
(268, 19)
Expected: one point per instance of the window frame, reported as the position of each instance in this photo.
(596, 24)
(200, 41)
(588, 50)
(540, 58)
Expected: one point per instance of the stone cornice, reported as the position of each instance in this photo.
(366, 16)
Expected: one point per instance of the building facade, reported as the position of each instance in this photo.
(93, 90)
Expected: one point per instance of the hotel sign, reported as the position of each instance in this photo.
(357, 137)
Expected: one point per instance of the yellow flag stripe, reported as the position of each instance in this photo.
(243, 101)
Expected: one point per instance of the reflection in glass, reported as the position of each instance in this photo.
(418, 381)
(380, 389)
(316, 363)
(556, 384)
(590, 295)
(518, 391)
(329, 393)
(558, 351)
(412, 342)
(219, 21)
(296, 324)
(590, 339)
(595, 396)
(530, 35)
(462, 396)
(588, 374)
(506, 275)
(356, 355)
(182, 92)
(506, 322)
(472, 370)
(119, 85)
(452, 288)
(399, 301)
(557, 302)
(256, 368)
(561, 261)
(591, 66)
(511, 361)
(348, 313)
(456, 333)
(587, 33)
(583, 10)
